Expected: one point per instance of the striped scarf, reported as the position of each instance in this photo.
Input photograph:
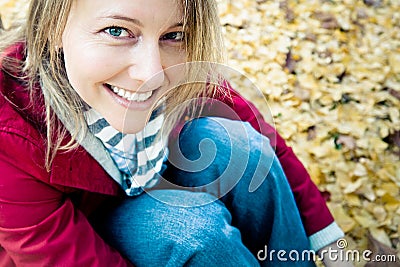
(140, 156)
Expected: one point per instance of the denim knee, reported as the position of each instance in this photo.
(219, 152)
(157, 230)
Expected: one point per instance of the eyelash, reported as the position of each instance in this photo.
(129, 34)
(108, 29)
(181, 39)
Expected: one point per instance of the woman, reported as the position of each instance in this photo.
(93, 71)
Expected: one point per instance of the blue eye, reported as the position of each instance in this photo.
(117, 32)
(174, 36)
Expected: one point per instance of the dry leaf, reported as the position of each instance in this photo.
(328, 21)
(394, 93)
(380, 235)
(344, 221)
(311, 133)
(347, 141)
(290, 63)
(352, 187)
(374, 3)
(380, 249)
(364, 218)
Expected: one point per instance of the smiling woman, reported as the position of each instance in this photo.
(138, 56)
(112, 60)
(93, 98)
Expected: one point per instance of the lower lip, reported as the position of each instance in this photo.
(133, 105)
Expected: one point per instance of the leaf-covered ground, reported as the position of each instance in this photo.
(329, 73)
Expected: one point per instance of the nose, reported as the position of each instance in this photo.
(147, 68)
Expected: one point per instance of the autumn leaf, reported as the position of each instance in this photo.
(381, 251)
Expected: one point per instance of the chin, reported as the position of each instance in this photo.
(127, 123)
(132, 128)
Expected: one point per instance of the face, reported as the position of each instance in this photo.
(119, 56)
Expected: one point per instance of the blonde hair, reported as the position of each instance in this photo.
(42, 33)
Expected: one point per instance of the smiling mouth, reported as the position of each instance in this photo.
(131, 96)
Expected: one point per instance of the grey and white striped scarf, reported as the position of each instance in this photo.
(140, 156)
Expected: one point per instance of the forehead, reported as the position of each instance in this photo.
(143, 10)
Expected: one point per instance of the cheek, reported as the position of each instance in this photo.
(175, 68)
(85, 66)
(175, 74)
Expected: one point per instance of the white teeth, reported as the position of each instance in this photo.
(127, 95)
(121, 92)
(138, 97)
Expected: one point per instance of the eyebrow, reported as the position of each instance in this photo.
(136, 21)
(179, 24)
(119, 17)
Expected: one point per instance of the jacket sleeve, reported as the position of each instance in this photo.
(313, 209)
(38, 225)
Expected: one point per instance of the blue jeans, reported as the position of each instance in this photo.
(223, 201)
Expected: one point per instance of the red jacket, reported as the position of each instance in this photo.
(39, 223)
